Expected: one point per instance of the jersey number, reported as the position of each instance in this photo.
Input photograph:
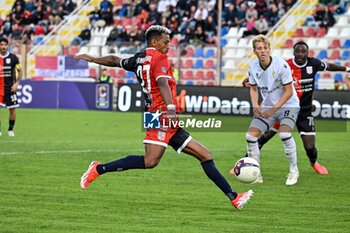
(148, 78)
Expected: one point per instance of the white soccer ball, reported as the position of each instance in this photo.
(247, 170)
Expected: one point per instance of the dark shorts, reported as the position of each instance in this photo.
(9, 100)
(306, 126)
(180, 140)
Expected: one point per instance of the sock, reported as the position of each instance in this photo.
(253, 147)
(261, 141)
(123, 164)
(214, 174)
(11, 125)
(312, 154)
(291, 152)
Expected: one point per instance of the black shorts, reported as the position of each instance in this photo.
(9, 100)
(306, 126)
(180, 140)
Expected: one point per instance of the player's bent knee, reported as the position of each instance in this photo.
(151, 163)
(284, 135)
(250, 138)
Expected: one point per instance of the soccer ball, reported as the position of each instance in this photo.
(247, 170)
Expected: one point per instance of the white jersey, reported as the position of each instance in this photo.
(271, 81)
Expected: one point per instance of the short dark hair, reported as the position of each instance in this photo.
(300, 43)
(155, 31)
(4, 40)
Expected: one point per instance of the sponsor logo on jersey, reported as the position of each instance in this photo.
(161, 135)
(164, 69)
(8, 60)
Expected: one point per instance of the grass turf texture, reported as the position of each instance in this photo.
(40, 171)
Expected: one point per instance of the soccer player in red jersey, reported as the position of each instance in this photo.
(155, 75)
(304, 69)
(10, 76)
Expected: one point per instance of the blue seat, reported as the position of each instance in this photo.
(338, 77)
(345, 55)
(209, 53)
(198, 53)
(346, 44)
(189, 83)
(322, 55)
(130, 81)
(223, 42)
(224, 31)
(129, 74)
(317, 77)
(198, 64)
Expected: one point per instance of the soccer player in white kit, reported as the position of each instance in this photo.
(272, 76)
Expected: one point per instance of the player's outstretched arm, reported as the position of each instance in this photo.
(110, 60)
(334, 67)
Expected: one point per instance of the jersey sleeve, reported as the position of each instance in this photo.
(250, 77)
(160, 67)
(285, 74)
(128, 63)
(320, 65)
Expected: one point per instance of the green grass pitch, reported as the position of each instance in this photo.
(40, 171)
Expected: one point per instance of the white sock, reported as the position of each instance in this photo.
(291, 150)
(253, 147)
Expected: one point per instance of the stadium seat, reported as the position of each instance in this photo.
(229, 64)
(92, 73)
(332, 32)
(312, 43)
(288, 44)
(173, 52)
(335, 44)
(223, 42)
(311, 53)
(241, 53)
(199, 52)
(198, 64)
(232, 43)
(345, 55)
(129, 75)
(209, 75)
(345, 32)
(299, 32)
(326, 76)
(310, 32)
(199, 74)
(186, 63)
(322, 43)
(334, 55)
(224, 31)
(112, 73)
(287, 53)
(209, 64)
(321, 32)
(189, 52)
(121, 72)
(230, 53)
(338, 77)
(188, 75)
(277, 52)
(346, 44)
(322, 55)
(342, 21)
(232, 32)
(210, 83)
(243, 43)
(209, 53)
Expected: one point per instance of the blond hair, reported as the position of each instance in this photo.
(260, 38)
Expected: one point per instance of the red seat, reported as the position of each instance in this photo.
(174, 41)
(311, 53)
(321, 32)
(310, 32)
(335, 44)
(209, 75)
(199, 74)
(121, 72)
(92, 73)
(173, 52)
(211, 83)
(189, 52)
(327, 75)
(288, 44)
(188, 75)
(186, 63)
(112, 73)
(209, 64)
(299, 32)
(334, 55)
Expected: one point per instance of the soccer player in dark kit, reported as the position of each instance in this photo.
(155, 75)
(304, 69)
(10, 76)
